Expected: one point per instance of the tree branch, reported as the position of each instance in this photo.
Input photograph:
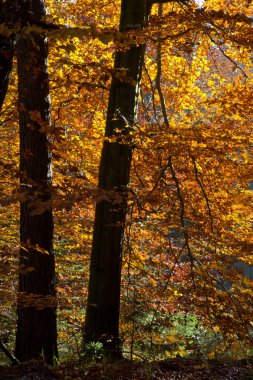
(8, 353)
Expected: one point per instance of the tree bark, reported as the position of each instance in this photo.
(103, 305)
(36, 326)
(8, 16)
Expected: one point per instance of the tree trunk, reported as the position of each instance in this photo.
(36, 326)
(8, 17)
(103, 306)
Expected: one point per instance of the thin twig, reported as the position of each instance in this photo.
(201, 185)
(227, 56)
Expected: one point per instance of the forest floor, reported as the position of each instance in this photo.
(173, 369)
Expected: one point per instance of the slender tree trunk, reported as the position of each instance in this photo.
(36, 326)
(6, 55)
(103, 306)
(8, 17)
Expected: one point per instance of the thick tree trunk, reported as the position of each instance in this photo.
(103, 306)
(36, 326)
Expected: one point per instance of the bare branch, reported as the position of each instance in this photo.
(228, 57)
(8, 353)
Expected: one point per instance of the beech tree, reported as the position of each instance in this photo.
(103, 304)
(185, 215)
(36, 324)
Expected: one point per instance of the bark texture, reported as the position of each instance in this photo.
(36, 326)
(103, 306)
